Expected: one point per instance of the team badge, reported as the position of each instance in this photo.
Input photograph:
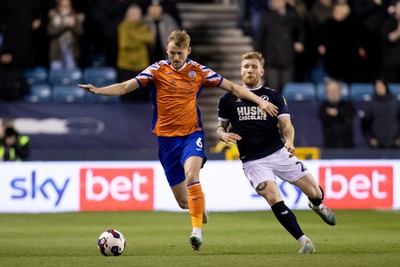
(192, 74)
(265, 97)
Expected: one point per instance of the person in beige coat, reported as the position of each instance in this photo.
(134, 40)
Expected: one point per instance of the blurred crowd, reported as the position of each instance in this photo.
(302, 40)
(65, 34)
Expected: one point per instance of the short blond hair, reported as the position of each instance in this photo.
(254, 55)
(180, 38)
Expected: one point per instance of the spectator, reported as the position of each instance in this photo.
(40, 36)
(280, 36)
(391, 47)
(106, 15)
(371, 14)
(161, 24)
(320, 12)
(13, 146)
(302, 65)
(336, 116)
(169, 6)
(64, 29)
(341, 45)
(134, 37)
(381, 121)
(5, 123)
(300, 8)
(250, 15)
(21, 18)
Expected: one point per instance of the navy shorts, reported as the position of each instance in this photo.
(174, 151)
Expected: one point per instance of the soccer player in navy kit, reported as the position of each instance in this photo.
(266, 149)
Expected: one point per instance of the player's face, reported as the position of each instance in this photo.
(177, 55)
(251, 71)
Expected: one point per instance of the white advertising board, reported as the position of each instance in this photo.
(29, 187)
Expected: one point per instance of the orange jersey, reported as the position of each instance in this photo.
(174, 95)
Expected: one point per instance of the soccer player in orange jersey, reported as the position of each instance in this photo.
(176, 84)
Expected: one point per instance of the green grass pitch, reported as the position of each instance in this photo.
(360, 238)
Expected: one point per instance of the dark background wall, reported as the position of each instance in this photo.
(122, 131)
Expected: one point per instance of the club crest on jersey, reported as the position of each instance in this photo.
(192, 74)
(265, 97)
(238, 100)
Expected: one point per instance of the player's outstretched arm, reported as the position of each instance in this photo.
(114, 89)
(241, 92)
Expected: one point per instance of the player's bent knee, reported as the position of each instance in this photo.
(316, 193)
(269, 193)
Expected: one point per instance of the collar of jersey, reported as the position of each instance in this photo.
(252, 89)
(184, 65)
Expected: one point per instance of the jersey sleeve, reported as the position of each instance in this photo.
(223, 108)
(211, 78)
(281, 103)
(147, 76)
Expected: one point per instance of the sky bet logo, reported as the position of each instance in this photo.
(116, 189)
(33, 187)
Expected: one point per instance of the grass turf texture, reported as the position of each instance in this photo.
(361, 238)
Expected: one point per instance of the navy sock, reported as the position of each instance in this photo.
(317, 202)
(287, 218)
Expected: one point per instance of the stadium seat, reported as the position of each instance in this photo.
(101, 76)
(36, 75)
(65, 77)
(299, 92)
(322, 95)
(39, 93)
(361, 91)
(69, 94)
(395, 89)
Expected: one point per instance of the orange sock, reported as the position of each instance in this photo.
(196, 204)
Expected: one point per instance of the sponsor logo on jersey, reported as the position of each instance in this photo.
(250, 113)
(192, 74)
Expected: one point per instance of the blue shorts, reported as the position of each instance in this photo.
(174, 151)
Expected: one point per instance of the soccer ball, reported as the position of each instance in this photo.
(111, 243)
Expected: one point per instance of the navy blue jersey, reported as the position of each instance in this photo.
(260, 136)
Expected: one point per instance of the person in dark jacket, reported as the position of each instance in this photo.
(336, 116)
(381, 121)
(280, 36)
(20, 19)
(341, 45)
(391, 46)
(371, 14)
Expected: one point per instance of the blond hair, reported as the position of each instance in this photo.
(180, 38)
(254, 55)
